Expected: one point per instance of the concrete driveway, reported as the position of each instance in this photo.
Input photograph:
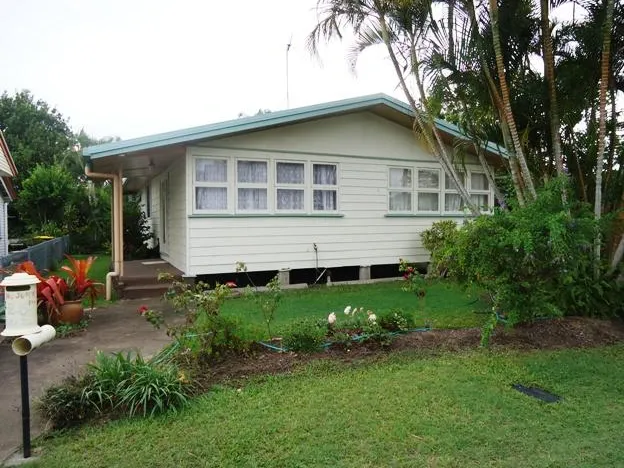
(116, 327)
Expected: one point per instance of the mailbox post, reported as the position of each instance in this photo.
(21, 322)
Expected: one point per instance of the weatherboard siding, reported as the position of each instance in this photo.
(364, 146)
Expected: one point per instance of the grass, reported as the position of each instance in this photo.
(445, 306)
(453, 410)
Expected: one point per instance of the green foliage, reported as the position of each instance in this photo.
(137, 231)
(434, 239)
(65, 330)
(63, 404)
(115, 385)
(304, 335)
(534, 261)
(396, 320)
(44, 197)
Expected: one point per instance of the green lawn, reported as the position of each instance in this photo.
(453, 410)
(445, 306)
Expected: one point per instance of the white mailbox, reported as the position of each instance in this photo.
(20, 298)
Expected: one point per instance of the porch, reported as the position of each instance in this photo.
(140, 278)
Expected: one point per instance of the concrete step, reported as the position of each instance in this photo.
(138, 280)
(143, 291)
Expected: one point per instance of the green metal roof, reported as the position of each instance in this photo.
(266, 121)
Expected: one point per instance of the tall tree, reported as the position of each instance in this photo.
(602, 125)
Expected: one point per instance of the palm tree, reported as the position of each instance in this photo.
(506, 101)
(549, 73)
(602, 125)
(400, 26)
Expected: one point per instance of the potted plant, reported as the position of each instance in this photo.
(63, 298)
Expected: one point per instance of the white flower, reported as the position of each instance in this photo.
(372, 318)
(331, 319)
(369, 312)
(347, 310)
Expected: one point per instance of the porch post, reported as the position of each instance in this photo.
(120, 229)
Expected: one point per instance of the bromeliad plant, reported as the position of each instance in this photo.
(79, 285)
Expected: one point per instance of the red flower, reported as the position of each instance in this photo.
(142, 309)
(230, 284)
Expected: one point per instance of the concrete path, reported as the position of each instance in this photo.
(117, 327)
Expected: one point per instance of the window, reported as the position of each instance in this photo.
(252, 182)
(211, 184)
(452, 200)
(480, 190)
(324, 187)
(400, 189)
(289, 186)
(428, 190)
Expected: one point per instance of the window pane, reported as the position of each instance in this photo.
(400, 201)
(453, 202)
(325, 174)
(449, 184)
(325, 200)
(400, 178)
(428, 202)
(290, 173)
(210, 170)
(478, 181)
(481, 201)
(428, 179)
(252, 172)
(211, 198)
(252, 199)
(288, 199)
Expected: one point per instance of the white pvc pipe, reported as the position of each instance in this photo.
(116, 231)
(23, 345)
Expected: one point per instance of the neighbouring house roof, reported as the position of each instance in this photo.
(379, 103)
(6, 185)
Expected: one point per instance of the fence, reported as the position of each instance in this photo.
(44, 255)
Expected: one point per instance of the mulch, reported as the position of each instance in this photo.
(569, 332)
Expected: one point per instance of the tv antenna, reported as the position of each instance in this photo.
(287, 78)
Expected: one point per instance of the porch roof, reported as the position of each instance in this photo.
(380, 104)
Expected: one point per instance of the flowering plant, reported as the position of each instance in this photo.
(413, 280)
(152, 316)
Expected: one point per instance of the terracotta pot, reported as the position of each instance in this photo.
(70, 312)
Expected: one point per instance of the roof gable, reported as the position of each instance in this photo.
(272, 120)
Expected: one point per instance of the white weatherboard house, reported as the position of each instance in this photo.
(348, 177)
(7, 192)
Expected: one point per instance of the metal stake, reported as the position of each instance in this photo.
(25, 406)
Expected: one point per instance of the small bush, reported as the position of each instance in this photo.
(115, 385)
(434, 239)
(305, 335)
(63, 404)
(396, 320)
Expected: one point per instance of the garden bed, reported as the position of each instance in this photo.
(569, 332)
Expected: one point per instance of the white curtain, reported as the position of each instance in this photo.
(325, 200)
(453, 202)
(400, 201)
(400, 178)
(252, 199)
(478, 181)
(449, 183)
(428, 179)
(481, 201)
(324, 174)
(290, 173)
(210, 170)
(428, 201)
(252, 172)
(211, 198)
(290, 199)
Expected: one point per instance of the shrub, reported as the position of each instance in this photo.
(396, 320)
(434, 239)
(64, 406)
(534, 261)
(304, 335)
(115, 385)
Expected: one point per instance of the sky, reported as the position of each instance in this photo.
(129, 68)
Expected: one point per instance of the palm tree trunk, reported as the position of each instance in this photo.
(439, 150)
(524, 168)
(549, 72)
(489, 174)
(612, 135)
(451, 31)
(498, 103)
(602, 123)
